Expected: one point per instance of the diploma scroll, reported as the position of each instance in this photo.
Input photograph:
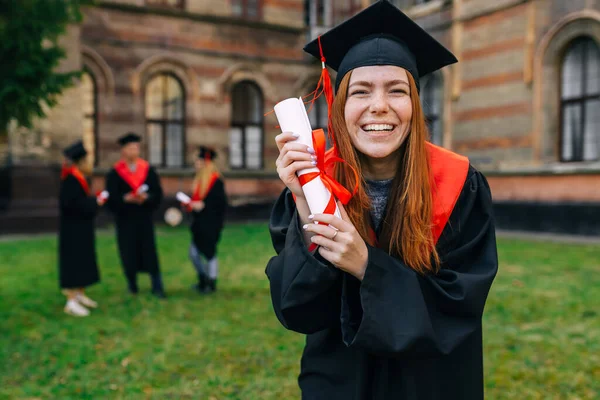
(142, 189)
(183, 198)
(103, 195)
(292, 117)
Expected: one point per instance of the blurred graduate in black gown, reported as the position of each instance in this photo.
(135, 193)
(78, 267)
(208, 206)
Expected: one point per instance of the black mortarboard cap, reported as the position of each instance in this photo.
(381, 34)
(75, 151)
(206, 153)
(129, 137)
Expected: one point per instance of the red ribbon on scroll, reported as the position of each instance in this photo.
(325, 163)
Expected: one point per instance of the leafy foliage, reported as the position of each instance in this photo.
(30, 53)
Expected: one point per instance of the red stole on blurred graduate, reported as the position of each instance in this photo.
(76, 173)
(197, 196)
(134, 179)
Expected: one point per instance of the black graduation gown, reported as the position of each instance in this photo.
(134, 223)
(398, 334)
(76, 237)
(207, 224)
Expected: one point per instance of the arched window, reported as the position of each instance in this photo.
(90, 113)
(246, 132)
(165, 121)
(432, 100)
(580, 101)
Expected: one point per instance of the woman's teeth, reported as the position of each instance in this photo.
(378, 127)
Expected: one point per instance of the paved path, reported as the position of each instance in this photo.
(549, 237)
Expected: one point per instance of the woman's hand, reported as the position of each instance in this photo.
(197, 205)
(340, 243)
(129, 198)
(141, 198)
(293, 157)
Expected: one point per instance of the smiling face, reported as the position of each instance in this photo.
(378, 110)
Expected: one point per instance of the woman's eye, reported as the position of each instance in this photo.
(399, 91)
(358, 92)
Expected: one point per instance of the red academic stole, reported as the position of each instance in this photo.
(197, 196)
(133, 179)
(73, 170)
(448, 174)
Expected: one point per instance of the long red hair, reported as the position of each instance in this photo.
(407, 224)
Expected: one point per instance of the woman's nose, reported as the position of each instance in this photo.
(379, 103)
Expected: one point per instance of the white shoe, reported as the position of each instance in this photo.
(86, 301)
(74, 308)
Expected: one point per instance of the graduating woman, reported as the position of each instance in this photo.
(392, 299)
(76, 239)
(208, 206)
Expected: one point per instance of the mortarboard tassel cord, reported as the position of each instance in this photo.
(323, 87)
(325, 81)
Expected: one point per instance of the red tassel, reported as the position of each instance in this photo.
(328, 91)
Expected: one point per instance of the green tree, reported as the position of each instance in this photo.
(29, 55)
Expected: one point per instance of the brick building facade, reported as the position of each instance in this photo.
(523, 102)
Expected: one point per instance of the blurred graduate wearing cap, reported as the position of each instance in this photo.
(135, 193)
(78, 268)
(208, 206)
(392, 297)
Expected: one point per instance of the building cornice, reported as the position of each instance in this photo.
(215, 19)
(189, 172)
(557, 169)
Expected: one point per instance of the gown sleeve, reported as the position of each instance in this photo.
(115, 202)
(216, 200)
(395, 311)
(74, 201)
(155, 192)
(305, 289)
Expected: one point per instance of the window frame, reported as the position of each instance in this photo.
(163, 4)
(165, 122)
(581, 101)
(243, 125)
(245, 8)
(439, 78)
(94, 115)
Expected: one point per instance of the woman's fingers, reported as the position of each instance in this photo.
(337, 223)
(323, 230)
(329, 244)
(288, 173)
(285, 137)
(292, 156)
(330, 255)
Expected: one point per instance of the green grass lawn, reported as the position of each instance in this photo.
(541, 327)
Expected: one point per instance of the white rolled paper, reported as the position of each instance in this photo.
(142, 189)
(103, 195)
(183, 198)
(292, 117)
